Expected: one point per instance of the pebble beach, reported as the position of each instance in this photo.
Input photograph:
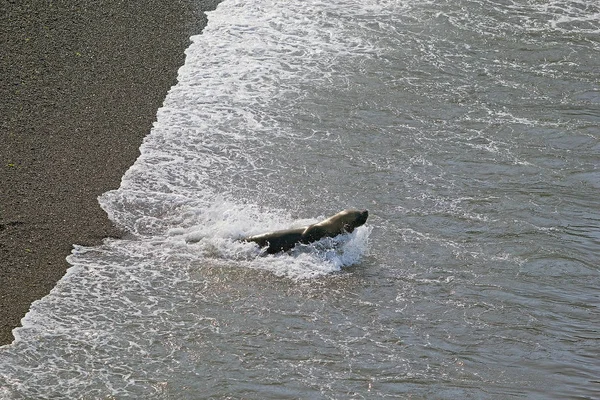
(81, 84)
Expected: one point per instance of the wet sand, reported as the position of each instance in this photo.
(81, 84)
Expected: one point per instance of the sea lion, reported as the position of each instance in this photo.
(342, 222)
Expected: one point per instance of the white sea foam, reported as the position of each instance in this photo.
(203, 175)
(287, 112)
(207, 175)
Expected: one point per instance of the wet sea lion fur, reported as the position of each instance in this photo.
(342, 222)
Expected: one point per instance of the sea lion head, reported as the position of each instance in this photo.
(353, 219)
(345, 221)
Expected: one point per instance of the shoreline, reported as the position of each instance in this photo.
(81, 87)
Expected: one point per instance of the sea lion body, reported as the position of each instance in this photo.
(342, 222)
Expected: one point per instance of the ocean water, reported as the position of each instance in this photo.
(470, 130)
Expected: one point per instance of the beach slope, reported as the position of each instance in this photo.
(81, 84)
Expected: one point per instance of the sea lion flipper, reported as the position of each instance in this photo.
(312, 233)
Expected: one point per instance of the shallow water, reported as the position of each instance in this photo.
(469, 129)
